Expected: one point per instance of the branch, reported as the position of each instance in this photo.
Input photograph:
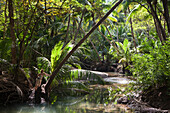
(93, 46)
(143, 6)
(79, 24)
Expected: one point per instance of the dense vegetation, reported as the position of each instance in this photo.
(59, 35)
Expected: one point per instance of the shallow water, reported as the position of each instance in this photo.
(67, 105)
(118, 80)
(96, 102)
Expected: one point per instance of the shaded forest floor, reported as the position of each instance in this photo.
(159, 98)
(12, 92)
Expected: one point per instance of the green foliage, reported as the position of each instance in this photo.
(152, 69)
(85, 56)
(55, 54)
(44, 63)
(5, 49)
(135, 10)
(4, 65)
(87, 75)
(58, 54)
(75, 84)
(124, 55)
(147, 45)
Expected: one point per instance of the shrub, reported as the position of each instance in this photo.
(153, 68)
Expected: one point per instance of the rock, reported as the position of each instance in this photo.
(123, 100)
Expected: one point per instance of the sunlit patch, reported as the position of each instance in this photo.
(118, 80)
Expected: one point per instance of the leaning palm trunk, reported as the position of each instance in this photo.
(79, 43)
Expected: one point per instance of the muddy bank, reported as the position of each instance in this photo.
(151, 101)
(159, 98)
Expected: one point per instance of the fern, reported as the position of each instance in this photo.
(59, 53)
(44, 63)
(55, 55)
(88, 75)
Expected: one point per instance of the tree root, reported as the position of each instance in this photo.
(10, 92)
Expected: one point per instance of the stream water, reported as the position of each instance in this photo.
(99, 101)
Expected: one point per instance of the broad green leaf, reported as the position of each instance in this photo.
(119, 8)
(133, 12)
(55, 54)
(114, 19)
(125, 45)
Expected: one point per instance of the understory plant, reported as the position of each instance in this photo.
(124, 55)
(152, 69)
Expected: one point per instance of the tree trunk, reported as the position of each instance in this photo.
(166, 14)
(131, 26)
(68, 26)
(155, 16)
(79, 43)
(12, 31)
(78, 29)
(158, 31)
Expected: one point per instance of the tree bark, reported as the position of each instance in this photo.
(158, 32)
(68, 26)
(12, 31)
(79, 43)
(155, 16)
(131, 26)
(166, 13)
(78, 29)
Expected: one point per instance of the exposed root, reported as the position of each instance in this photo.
(10, 92)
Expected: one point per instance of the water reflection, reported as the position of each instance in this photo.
(98, 101)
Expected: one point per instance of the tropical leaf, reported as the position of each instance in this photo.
(44, 63)
(114, 19)
(133, 12)
(75, 84)
(55, 54)
(125, 45)
(88, 75)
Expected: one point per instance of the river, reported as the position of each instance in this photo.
(100, 100)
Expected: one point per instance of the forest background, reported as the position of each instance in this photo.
(36, 34)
